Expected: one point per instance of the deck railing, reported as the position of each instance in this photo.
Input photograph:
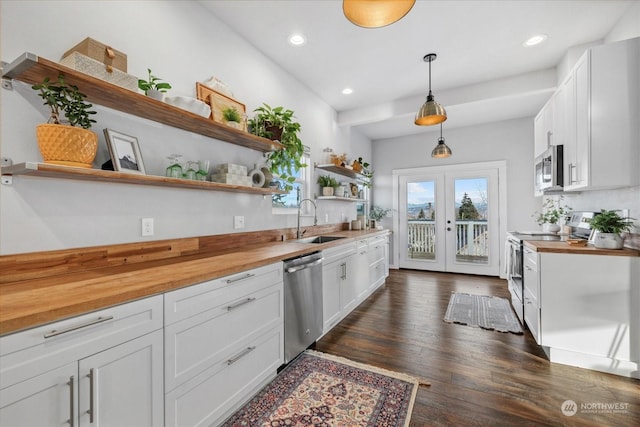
(472, 238)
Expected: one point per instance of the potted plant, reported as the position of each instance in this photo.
(376, 215)
(609, 225)
(278, 124)
(66, 141)
(552, 212)
(154, 87)
(362, 167)
(231, 116)
(328, 185)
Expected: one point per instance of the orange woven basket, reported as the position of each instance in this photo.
(67, 145)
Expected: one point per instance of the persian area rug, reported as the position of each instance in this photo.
(493, 313)
(317, 389)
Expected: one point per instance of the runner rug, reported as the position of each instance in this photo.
(483, 311)
(317, 389)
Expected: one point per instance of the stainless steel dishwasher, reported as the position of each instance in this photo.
(302, 303)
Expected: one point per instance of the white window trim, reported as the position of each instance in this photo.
(306, 190)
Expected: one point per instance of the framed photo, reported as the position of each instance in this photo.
(124, 151)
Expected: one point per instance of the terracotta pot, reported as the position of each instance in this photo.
(67, 145)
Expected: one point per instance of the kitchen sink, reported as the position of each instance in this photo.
(319, 239)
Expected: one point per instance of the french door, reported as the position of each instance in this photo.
(448, 218)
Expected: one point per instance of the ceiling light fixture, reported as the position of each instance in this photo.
(431, 113)
(297, 39)
(534, 40)
(376, 13)
(441, 151)
(347, 91)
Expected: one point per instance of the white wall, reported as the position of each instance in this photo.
(510, 140)
(182, 43)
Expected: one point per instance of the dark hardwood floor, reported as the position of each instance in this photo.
(478, 377)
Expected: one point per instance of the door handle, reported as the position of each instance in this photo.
(448, 228)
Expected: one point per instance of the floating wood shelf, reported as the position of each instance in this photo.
(31, 69)
(46, 170)
(341, 170)
(344, 199)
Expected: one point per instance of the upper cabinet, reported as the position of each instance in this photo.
(543, 128)
(595, 116)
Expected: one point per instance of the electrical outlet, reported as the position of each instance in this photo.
(147, 226)
(238, 222)
(326, 218)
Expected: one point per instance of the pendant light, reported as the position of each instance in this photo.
(375, 13)
(441, 151)
(431, 113)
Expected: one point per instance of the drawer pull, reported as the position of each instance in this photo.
(92, 382)
(75, 327)
(240, 355)
(239, 303)
(237, 279)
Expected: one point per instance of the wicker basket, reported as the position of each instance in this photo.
(101, 52)
(67, 145)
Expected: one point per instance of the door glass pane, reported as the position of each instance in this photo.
(472, 234)
(421, 216)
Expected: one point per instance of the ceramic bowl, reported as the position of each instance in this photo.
(192, 105)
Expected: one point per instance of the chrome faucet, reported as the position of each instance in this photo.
(315, 216)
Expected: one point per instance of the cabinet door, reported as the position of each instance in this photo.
(358, 279)
(332, 277)
(578, 163)
(45, 400)
(542, 129)
(123, 386)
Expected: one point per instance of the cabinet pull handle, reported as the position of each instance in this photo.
(304, 266)
(571, 168)
(528, 268)
(549, 133)
(100, 319)
(92, 382)
(239, 303)
(237, 279)
(71, 393)
(344, 271)
(240, 355)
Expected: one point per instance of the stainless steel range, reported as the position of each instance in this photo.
(579, 228)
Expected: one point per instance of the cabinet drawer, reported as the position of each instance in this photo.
(34, 351)
(221, 389)
(532, 315)
(338, 253)
(376, 251)
(531, 258)
(194, 344)
(219, 293)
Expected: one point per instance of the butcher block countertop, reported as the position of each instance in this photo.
(566, 248)
(29, 303)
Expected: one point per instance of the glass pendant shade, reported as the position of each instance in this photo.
(375, 13)
(431, 113)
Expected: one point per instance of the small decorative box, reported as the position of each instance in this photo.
(101, 52)
(97, 69)
(230, 168)
(227, 178)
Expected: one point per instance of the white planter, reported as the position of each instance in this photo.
(550, 228)
(608, 241)
(327, 191)
(155, 94)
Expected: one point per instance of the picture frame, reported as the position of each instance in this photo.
(125, 152)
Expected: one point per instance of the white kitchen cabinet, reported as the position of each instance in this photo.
(361, 277)
(44, 370)
(590, 311)
(605, 152)
(532, 292)
(543, 128)
(378, 270)
(224, 339)
(338, 286)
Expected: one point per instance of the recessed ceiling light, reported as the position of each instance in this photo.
(347, 91)
(534, 40)
(297, 39)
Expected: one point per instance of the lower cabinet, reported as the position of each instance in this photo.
(224, 339)
(103, 368)
(338, 285)
(531, 293)
(361, 278)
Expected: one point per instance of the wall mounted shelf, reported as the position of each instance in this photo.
(341, 170)
(46, 170)
(344, 199)
(31, 69)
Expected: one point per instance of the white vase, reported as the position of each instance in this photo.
(155, 94)
(550, 228)
(608, 241)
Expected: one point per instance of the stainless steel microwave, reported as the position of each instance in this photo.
(548, 170)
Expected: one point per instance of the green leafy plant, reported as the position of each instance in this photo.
(61, 97)
(610, 222)
(153, 83)
(231, 114)
(328, 181)
(279, 124)
(365, 171)
(552, 211)
(377, 213)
